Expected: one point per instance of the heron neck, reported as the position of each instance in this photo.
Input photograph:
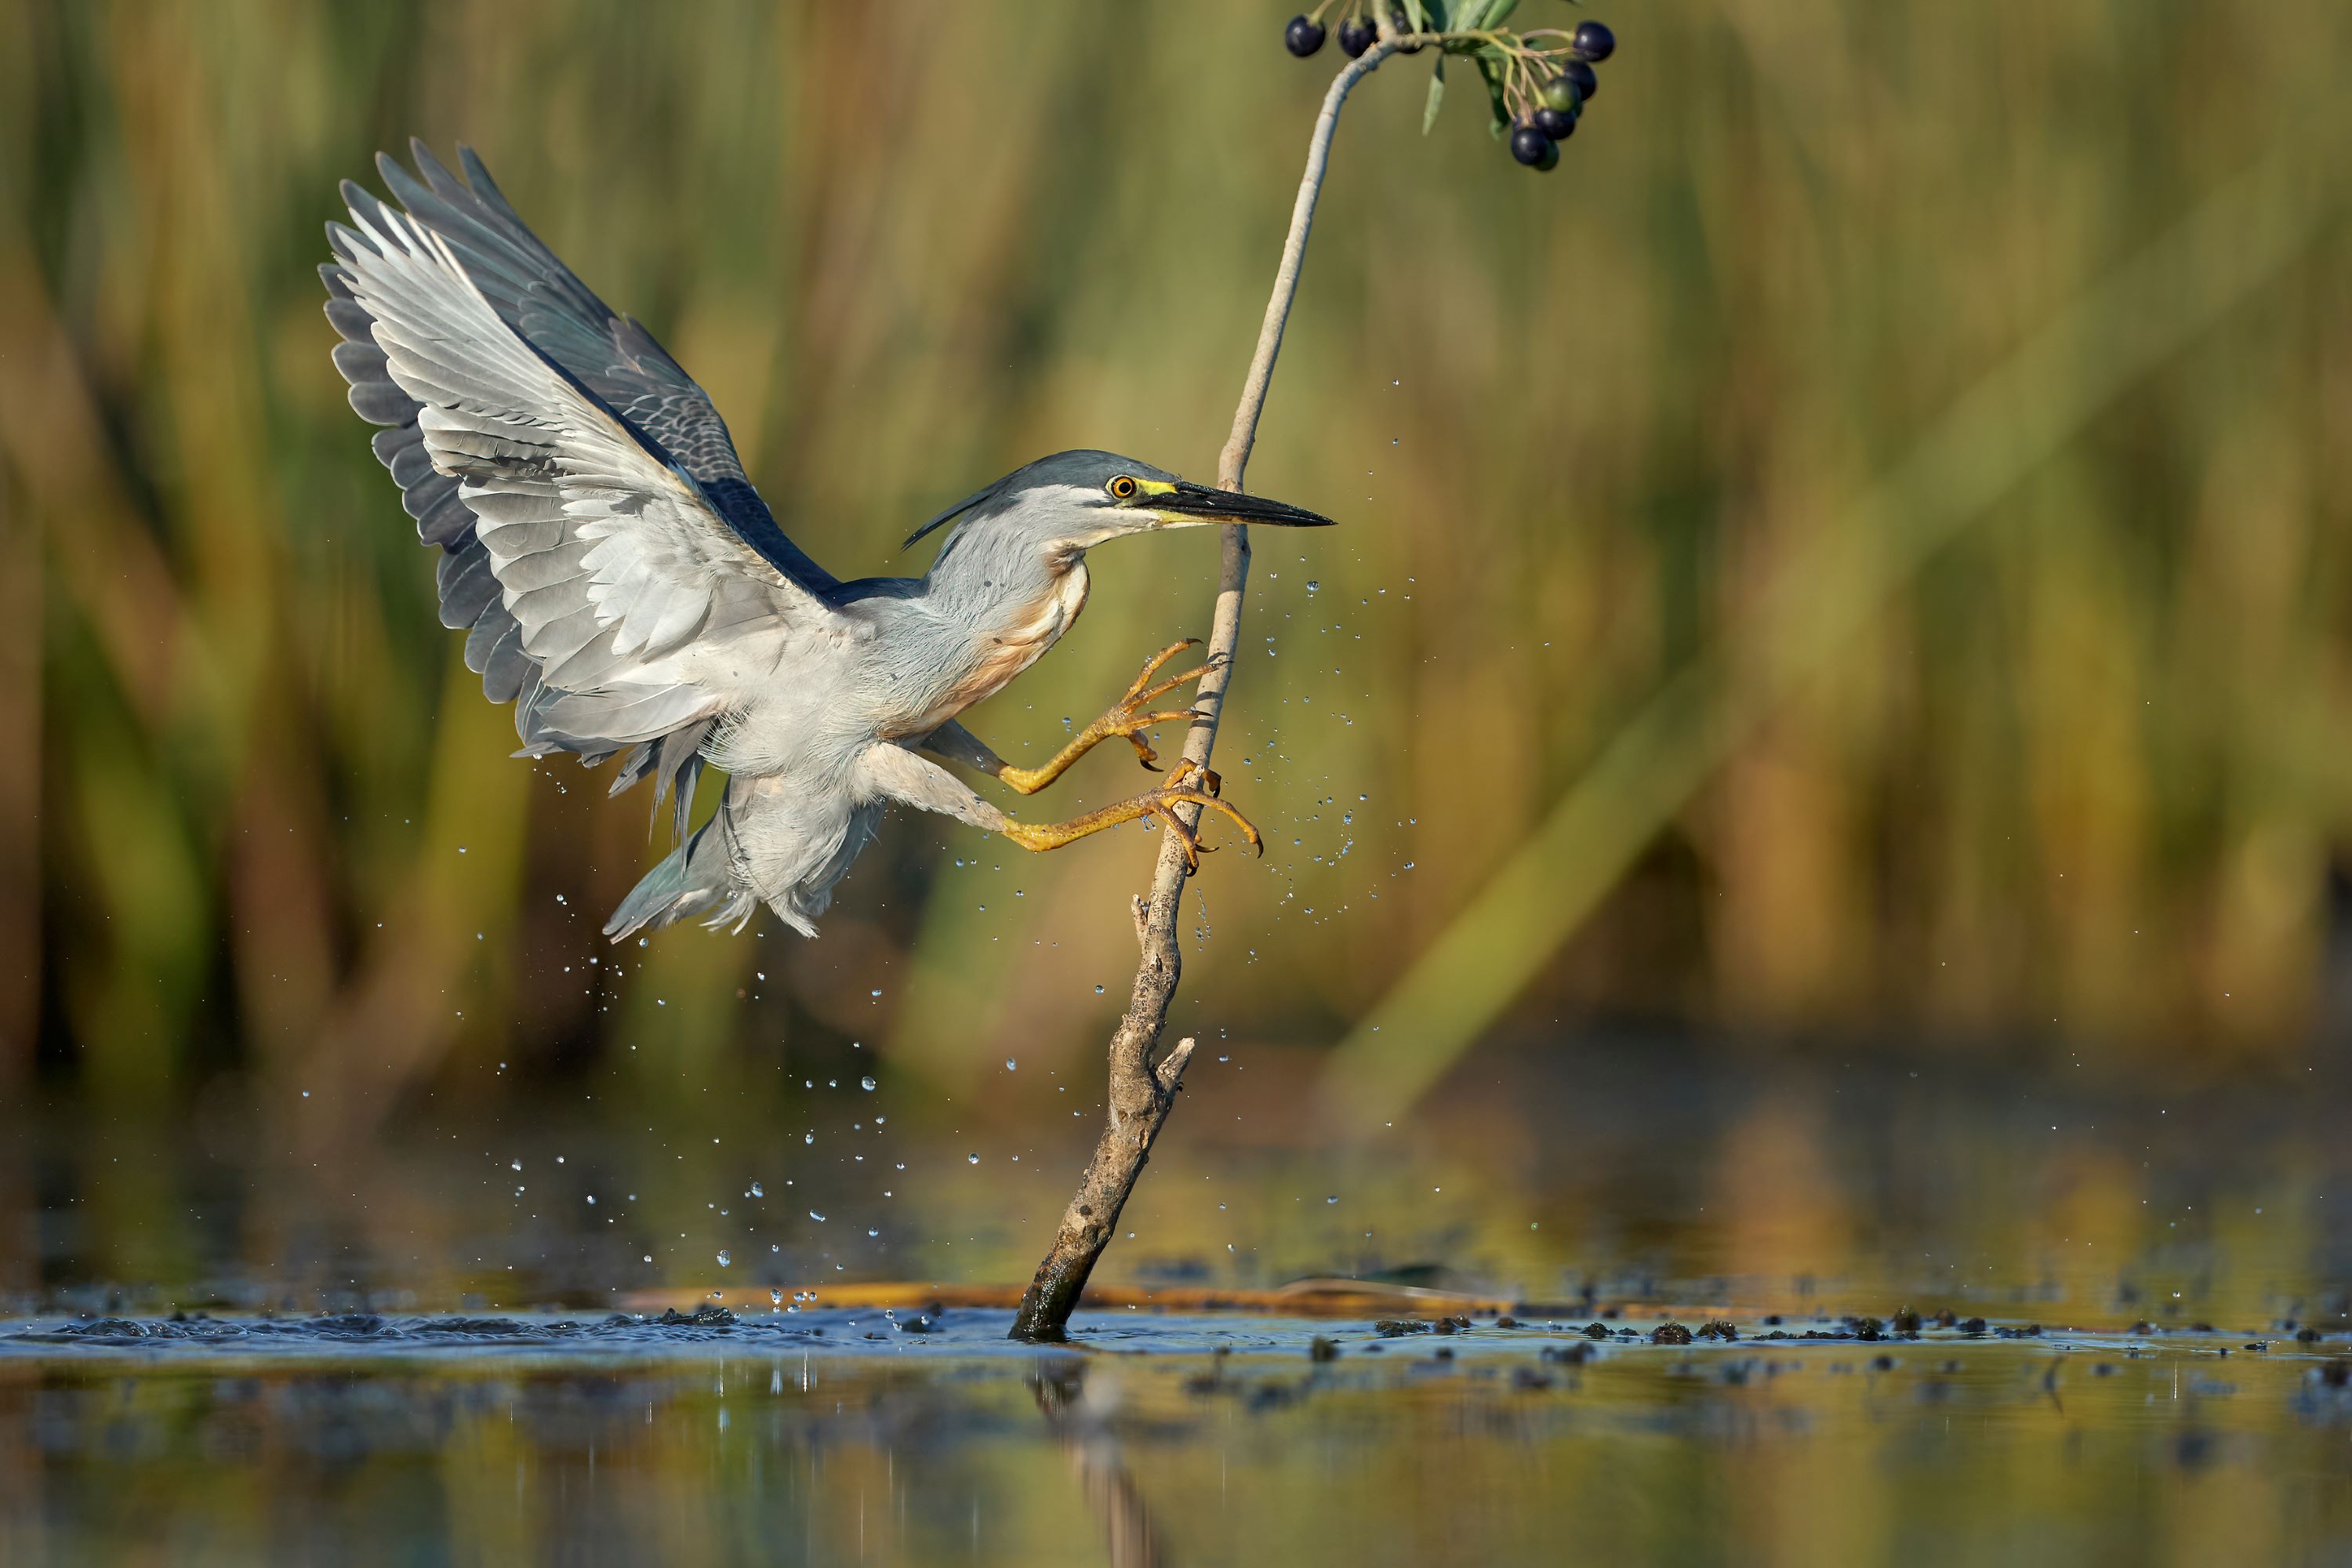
(995, 582)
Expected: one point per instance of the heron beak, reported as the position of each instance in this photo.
(1189, 502)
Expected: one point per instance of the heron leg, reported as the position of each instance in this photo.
(1189, 784)
(1128, 718)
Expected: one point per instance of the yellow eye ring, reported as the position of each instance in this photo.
(1123, 488)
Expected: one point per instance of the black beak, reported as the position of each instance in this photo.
(1231, 506)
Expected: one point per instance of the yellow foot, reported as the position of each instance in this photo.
(1123, 720)
(1127, 718)
(1190, 784)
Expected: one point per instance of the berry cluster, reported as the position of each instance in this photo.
(1538, 82)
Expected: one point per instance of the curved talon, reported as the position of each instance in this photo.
(1123, 720)
(1131, 728)
(1142, 690)
(1135, 692)
(1207, 801)
(1161, 803)
(1187, 769)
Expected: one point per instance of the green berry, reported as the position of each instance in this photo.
(1562, 94)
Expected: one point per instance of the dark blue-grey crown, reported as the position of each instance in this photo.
(1081, 468)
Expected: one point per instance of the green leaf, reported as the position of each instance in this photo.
(1490, 71)
(1436, 97)
(1416, 17)
(1497, 12)
(1472, 16)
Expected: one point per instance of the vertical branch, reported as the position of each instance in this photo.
(1140, 1097)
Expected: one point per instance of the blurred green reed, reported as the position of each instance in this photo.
(2082, 776)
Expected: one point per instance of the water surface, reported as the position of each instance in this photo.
(832, 1436)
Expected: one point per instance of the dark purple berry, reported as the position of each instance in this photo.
(1357, 35)
(1550, 159)
(1594, 41)
(1587, 84)
(1528, 146)
(1555, 125)
(1302, 37)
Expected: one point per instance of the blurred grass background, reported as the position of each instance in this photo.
(2079, 791)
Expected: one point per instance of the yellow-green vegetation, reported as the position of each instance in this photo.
(2074, 764)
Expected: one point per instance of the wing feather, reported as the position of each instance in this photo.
(593, 520)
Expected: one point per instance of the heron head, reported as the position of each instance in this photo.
(1077, 499)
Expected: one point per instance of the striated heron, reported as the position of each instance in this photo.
(622, 584)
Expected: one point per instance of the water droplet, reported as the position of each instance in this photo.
(1098, 991)
(775, 1295)
(514, 1166)
(1313, 587)
(816, 1216)
(808, 1137)
(757, 1190)
(866, 1083)
(724, 1259)
(1332, 1199)
(1010, 1064)
(972, 1159)
(872, 1232)
(650, 1258)
(591, 1200)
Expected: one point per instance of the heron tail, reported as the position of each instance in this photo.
(698, 878)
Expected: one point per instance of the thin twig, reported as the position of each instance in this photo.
(1140, 1098)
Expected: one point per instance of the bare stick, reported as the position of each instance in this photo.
(1140, 1097)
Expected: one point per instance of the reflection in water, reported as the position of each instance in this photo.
(1095, 1459)
(456, 1427)
(809, 1443)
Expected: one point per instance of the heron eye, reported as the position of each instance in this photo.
(1123, 488)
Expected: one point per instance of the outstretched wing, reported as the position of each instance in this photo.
(588, 558)
(612, 355)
